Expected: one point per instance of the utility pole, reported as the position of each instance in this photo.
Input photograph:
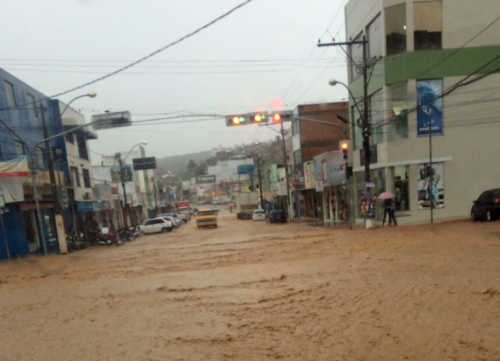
(118, 156)
(50, 164)
(366, 132)
(262, 204)
(286, 168)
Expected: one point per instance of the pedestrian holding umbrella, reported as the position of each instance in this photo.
(386, 197)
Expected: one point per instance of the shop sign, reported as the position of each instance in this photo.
(84, 207)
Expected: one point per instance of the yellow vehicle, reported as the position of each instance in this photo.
(206, 218)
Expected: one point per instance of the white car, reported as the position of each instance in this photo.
(259, 215)
(155, 225)
(215, 207)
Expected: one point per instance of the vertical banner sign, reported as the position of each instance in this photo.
(368, 205)
(430, 109)
(430, 187)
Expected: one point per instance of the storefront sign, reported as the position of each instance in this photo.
(309, 176)
(430, 107)
(83, 207)
(17, 167)
(430, 189)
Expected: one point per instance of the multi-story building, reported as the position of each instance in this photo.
(82, 208)
(310, 138)
(28, 117)
(433, 69)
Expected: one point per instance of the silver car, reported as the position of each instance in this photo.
(176, 218)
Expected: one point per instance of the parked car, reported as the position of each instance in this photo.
(215, 207)
(175, 216)
(259, 215)
(158, 224)
(277, 216)
(171, 219)
(487, 206)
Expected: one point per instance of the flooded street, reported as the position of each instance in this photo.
(255, 291)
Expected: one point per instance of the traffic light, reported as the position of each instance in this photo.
(278, 117)
(259, 117)
(232, 120)
(345, 147)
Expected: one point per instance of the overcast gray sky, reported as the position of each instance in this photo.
(262, 54)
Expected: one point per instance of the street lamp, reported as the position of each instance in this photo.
(118, 156)
(365, 128)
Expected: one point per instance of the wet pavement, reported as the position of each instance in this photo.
(255, 291)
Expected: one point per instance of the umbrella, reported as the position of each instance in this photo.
(385, 195)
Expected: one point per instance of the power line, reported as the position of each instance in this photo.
(155, 52)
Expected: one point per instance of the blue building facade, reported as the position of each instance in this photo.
(21, 109)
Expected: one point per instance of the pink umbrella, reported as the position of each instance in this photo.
(385, 195)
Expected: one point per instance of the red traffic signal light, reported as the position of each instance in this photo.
(282, 116)
(345, 146)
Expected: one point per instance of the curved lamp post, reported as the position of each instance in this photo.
(121, 161)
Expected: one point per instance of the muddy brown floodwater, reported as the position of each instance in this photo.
(254, 291)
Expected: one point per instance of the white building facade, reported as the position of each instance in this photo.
(435, 71)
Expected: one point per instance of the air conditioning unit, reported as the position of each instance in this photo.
(86, 195)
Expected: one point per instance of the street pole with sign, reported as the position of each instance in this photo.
(2, 206)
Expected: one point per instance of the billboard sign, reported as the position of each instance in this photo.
(111, 120)
(203, 179)
(329, 168)
(430, 107)
(144, 163)
(246, 169)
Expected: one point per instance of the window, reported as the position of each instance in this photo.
(40, 159)
(395, 29)
(30, 99)
(375, 38)
(9, 94)
(398, 128)
(82, 146)
(70, 138)
(401, 187)
(356, 58)
(86, 178)
(75, 177)
(297, 157)
(19, 147)
(428, 25)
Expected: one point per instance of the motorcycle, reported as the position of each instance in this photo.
(126, 234)
(107, 238)
(136, 231)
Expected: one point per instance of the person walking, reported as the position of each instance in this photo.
(387, 205)
(392, 211)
